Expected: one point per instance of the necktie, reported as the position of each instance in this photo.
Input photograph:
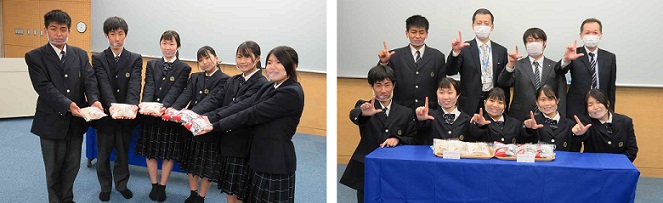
(608, 127)
(592, 69)
(241, 83)
(385, 110)
(63, 56)
(449, 118)
(500, 124)
(117, 58)
(417, 56)
(486, 68)
(537, 75)
(552, 123)
(167, 66)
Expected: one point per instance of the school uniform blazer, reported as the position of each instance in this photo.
(524, 87)
(512, 133)
(274, 116)
(439, 129)
(562, 137)
(581, 80)
(229, 94)
(164, 86)
(621, 141)
(198, 87)
(58, 85)
(119, 82)
(374, 130)
(416, 81)
(468, 64)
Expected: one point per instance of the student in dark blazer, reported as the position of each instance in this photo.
(165, 79)
(606, 131)
(233, 146)
(549, 126)
(63, 78)
(273, 113)
(529, 74)
(495, 125)
(447, 122)
(479, 62)
(382, 123)
(417, 67)
(591, 68)
(119, 76)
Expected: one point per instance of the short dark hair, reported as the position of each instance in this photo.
(483, 11)
(115, 23)
(592, 20)
(449, 83)
(599, 96)
(548, 91)
(288, 58)
(172, 35)
(416, 21)
(379, 73)
(535, 33)
(496, 93)
(247, 48)
(57, 16)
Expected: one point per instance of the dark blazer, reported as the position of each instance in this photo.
(581, 80)
(162, 86)
(198, 87)
(58, 85)
(416, 81)
(524, 87)
(621, 141)
(119, 82)
(439, 129)
(468, 64)
(562, 137)
(512, 133)
(237, 142)
(374, 130)
(274, 116)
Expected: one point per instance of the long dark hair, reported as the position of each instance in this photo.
(247, 48)
(289, 58)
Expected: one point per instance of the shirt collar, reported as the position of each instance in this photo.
(595, 51)
(455, 112)
(531, 60)
(171, 61)
(556, 117)
(278, 85)
(57, 51)
(215, 70)
(421, 50)
(609, 119)
(479, 43)
(246, 77)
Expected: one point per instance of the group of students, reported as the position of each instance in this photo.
(247, 150)
(478, 108)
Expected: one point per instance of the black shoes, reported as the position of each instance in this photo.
(127, 194)
(153, 192)
(161, 193)
(191, 197)
(104, 196)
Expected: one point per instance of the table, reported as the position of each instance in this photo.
(414, 174)
(134, 159)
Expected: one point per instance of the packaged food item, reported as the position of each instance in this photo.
(92, 113)
(541, 152)
(150, 107)
(477, 150)
(122, 110)
(169, 114)
(197, 125)
(185, 116)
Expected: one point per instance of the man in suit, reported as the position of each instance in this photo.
(64, 80)
(590, 66)
(527, 75)
(479, 62)
(119, 74)
(382, 123)
(417, 67)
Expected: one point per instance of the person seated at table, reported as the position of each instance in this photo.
(496, 126)
(549, 126)
(447, 122)
(606, 131)
(381, 124)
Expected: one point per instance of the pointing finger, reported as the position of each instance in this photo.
(460, 36)
(578, 120)
(385, 45)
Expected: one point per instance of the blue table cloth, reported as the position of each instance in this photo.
(414, 174)
(134, 159)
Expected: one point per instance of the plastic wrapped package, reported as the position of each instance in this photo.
(92, 113)
(122, 110)
(150, 107)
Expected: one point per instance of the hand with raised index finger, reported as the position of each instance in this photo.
(531, 123)
(579, 128)
(479, 119)
(458, 43)
(422, 112)
(571, 52)
(513, 57)
(368, 109)
(385, 54)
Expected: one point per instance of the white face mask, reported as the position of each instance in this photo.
(482, 31)
(384, 98)
(600, 114)
(591, 40)
(534, 48)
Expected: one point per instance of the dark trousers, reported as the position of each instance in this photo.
(113, 134)
(360, 196)
(62, 159)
